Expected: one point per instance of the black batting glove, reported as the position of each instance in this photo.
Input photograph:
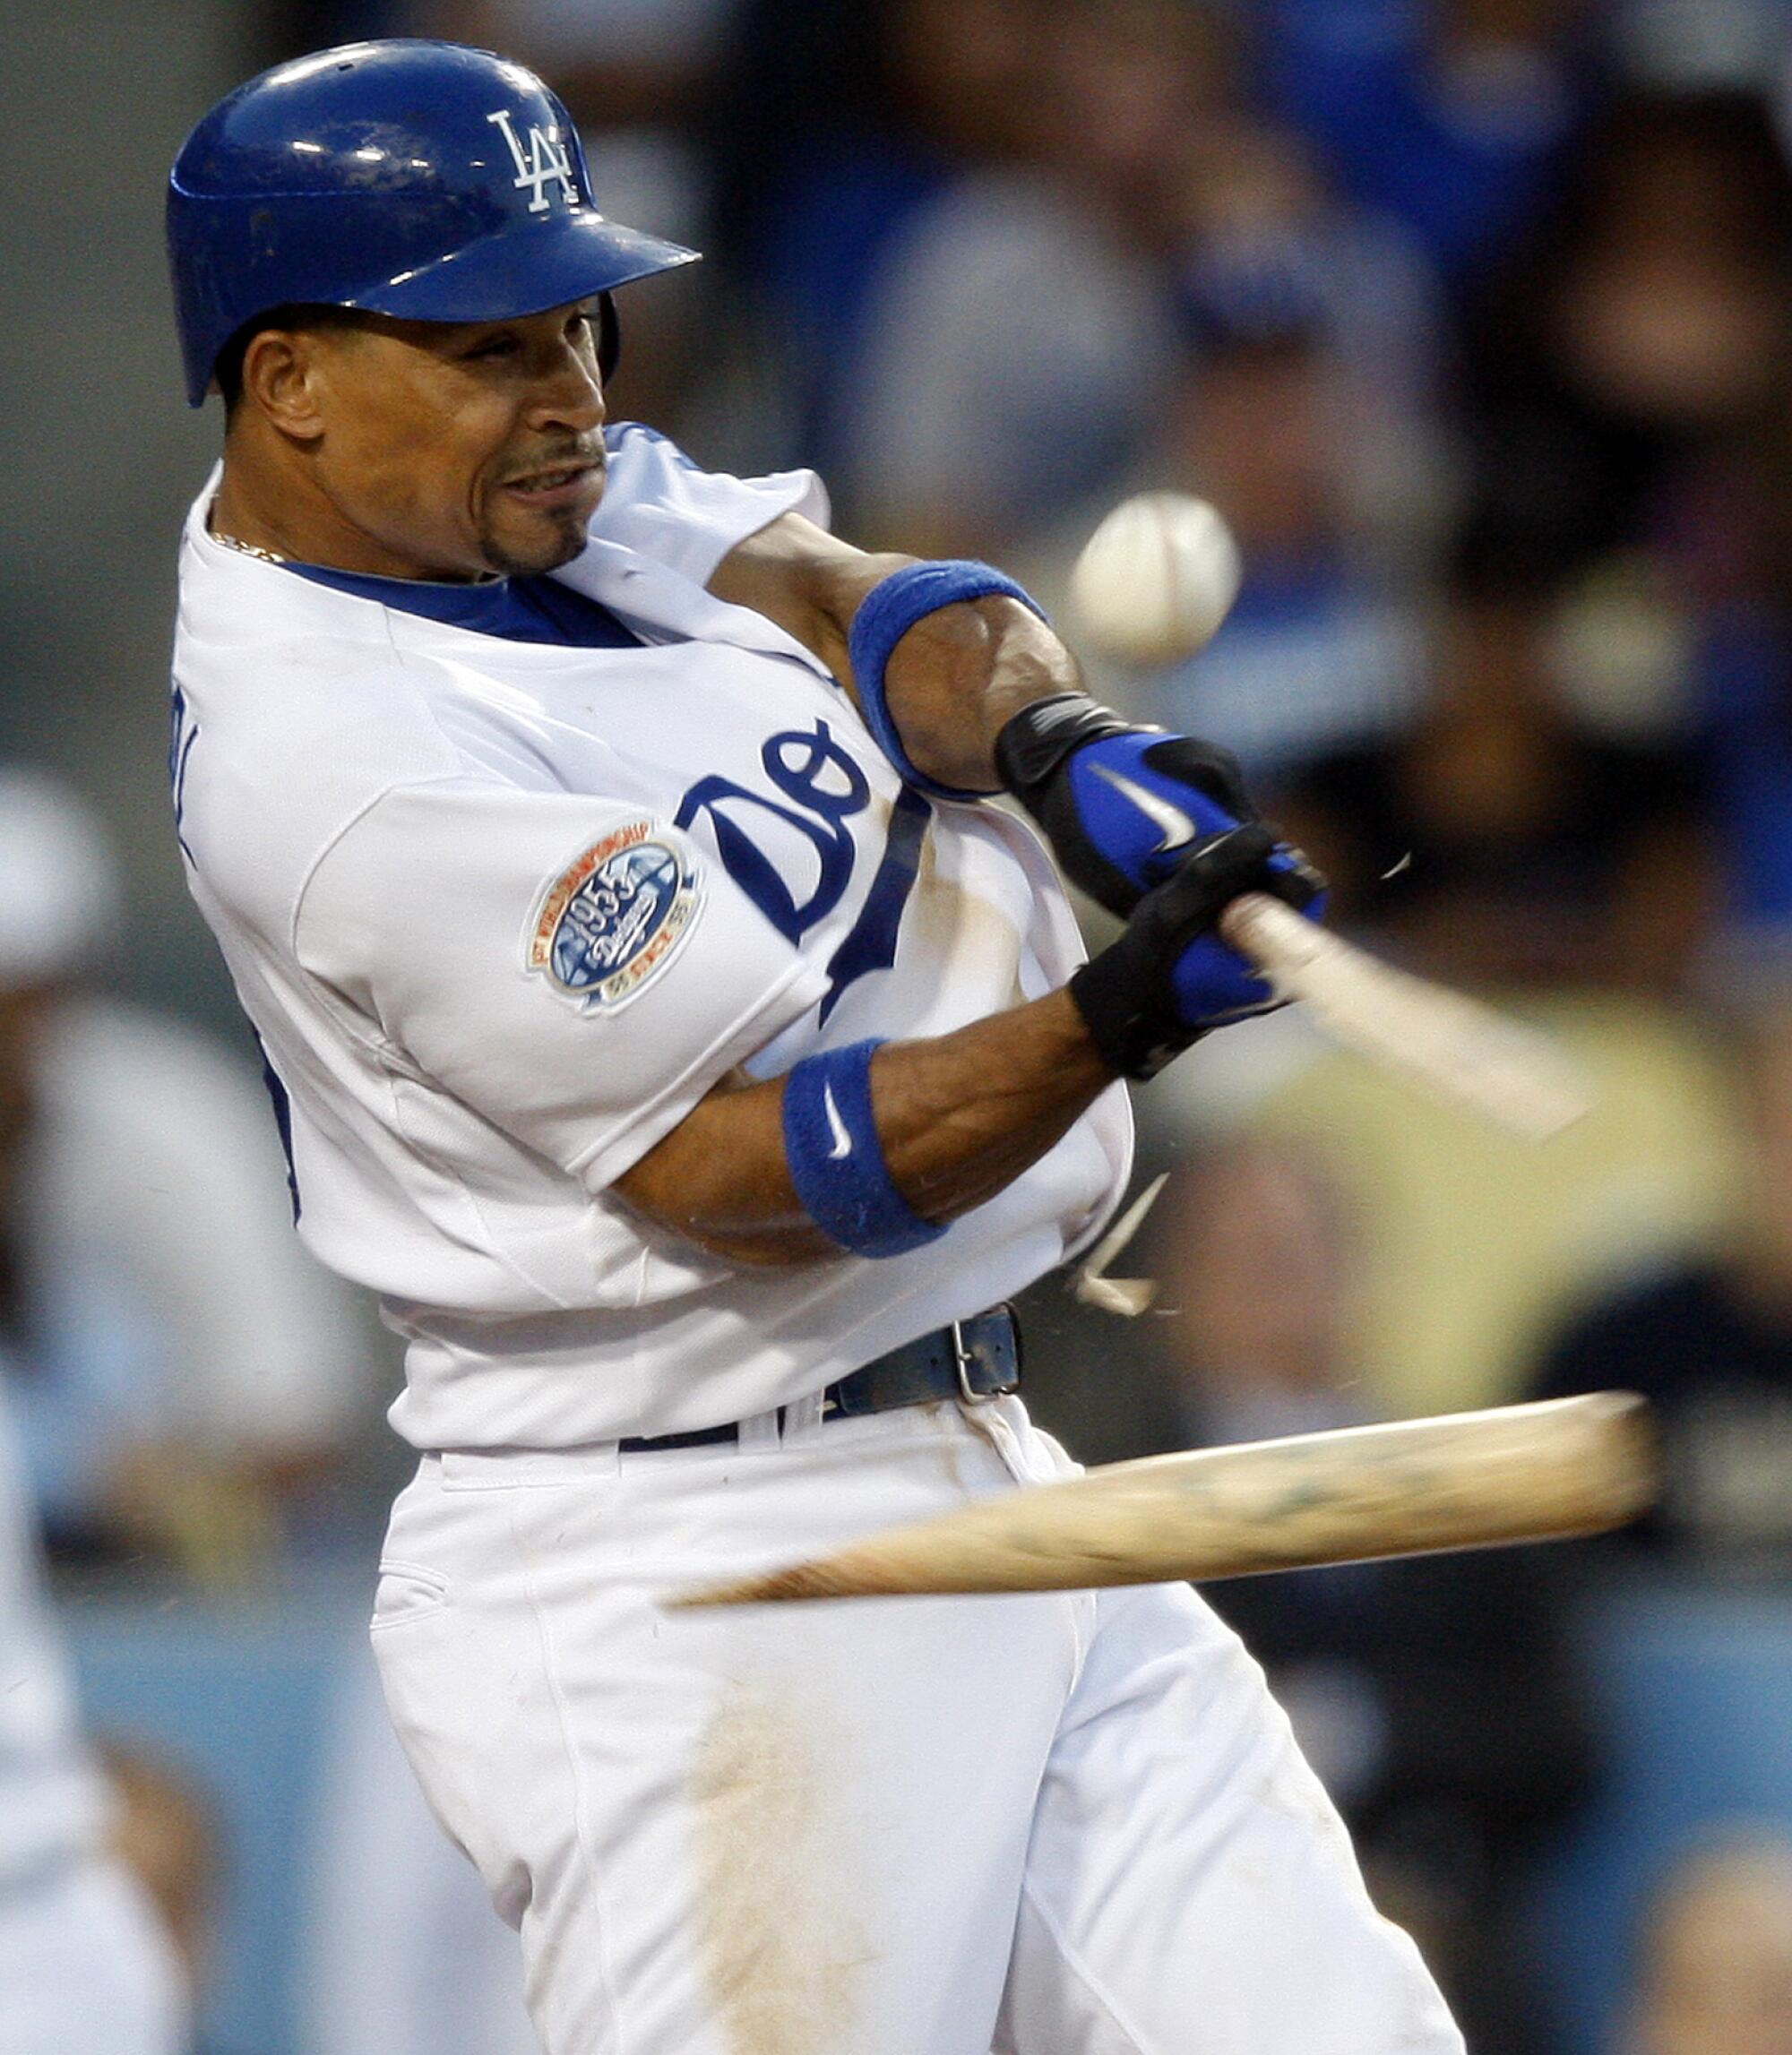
(1169, 979)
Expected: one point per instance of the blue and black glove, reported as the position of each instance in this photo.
(1169, 979)
(1123, 806)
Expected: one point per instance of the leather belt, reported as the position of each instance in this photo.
(972, 1360)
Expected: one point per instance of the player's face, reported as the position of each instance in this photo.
(460, 450)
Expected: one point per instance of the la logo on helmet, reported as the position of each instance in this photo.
(545, 160)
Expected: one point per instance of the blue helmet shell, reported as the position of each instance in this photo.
(420, 179)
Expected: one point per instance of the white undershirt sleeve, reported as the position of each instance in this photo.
(657, 502)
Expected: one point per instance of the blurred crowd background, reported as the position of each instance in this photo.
(1474, 318)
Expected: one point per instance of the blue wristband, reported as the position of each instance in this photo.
(886, 613)
(836, 1159)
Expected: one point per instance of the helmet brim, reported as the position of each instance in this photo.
(574, 255)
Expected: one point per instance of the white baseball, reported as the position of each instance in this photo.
(1156, 579)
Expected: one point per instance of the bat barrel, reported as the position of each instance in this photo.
(1473, 1480)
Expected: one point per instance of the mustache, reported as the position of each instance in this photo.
(560, 457)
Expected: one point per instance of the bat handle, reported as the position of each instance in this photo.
(1454, 1047)
(1270, 933)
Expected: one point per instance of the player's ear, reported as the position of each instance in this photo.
(281, 370)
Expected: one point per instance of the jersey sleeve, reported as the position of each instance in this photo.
(566, 966)
(657, 502)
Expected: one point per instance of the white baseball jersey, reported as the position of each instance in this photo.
(502, 911)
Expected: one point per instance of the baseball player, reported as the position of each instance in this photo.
(664, 1025)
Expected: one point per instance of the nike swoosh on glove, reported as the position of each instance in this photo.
(1123, 806)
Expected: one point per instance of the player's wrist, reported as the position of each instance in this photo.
(1034, 745)
(835, 1156)
(1122, 804)
(1133, 1034)
(885, 614)
(1034, 753)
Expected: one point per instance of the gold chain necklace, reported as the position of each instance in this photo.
(247, 548)
(274, 556)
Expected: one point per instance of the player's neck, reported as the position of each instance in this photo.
(278, 509)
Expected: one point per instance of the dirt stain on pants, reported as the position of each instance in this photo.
(778, 1931)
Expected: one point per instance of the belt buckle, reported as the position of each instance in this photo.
(963, 1360)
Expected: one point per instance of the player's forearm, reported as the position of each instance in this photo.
(956, 676)
(962, 1115)
(959, 1116)
(873, 1147)
(952, 681)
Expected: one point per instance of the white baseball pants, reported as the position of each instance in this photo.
(1044, 1824)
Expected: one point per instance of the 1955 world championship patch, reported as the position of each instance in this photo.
(614, 919)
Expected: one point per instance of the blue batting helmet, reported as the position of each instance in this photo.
(414, 178)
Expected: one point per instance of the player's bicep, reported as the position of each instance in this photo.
(567, 967)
